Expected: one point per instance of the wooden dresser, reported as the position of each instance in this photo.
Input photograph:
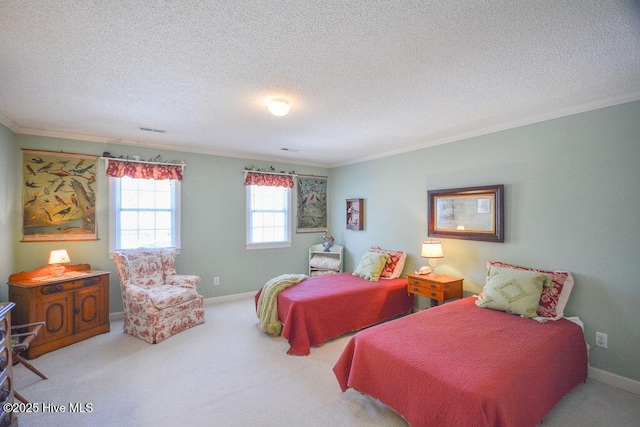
(74, 306)
(6, 365)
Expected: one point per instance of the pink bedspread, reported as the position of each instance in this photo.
(325, 307)
(462, 365)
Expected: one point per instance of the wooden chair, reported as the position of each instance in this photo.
(21, 337)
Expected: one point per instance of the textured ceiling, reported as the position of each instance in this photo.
(364, 78)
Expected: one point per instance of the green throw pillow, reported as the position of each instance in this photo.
(519, 274)
(513, 291)
(371, 266)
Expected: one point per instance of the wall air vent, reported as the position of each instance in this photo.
(153, 130)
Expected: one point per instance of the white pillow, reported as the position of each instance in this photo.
(322, 272)
(326, 262)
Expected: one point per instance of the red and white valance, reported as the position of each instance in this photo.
(268, 179)
(148, 170)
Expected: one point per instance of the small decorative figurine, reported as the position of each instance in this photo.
(327, 239)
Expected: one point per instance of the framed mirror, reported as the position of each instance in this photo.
(472, 213)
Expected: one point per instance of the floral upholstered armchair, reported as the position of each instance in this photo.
(158, 303)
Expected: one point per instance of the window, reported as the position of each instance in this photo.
(268, 217)
(144, 213)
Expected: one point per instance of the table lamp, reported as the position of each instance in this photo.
(57, 257)
(432, 250)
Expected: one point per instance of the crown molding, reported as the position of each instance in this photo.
(7, 122)
(155, 145)
(577, 109)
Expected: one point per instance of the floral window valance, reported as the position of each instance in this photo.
(146, 170)
(268, 179)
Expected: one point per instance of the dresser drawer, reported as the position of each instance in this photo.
(426, 292)
(71, 285)
(426, 284)
(433, 286)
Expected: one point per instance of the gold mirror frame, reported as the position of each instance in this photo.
(471, 213)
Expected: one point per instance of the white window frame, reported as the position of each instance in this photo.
(115, 208)
(267, 245)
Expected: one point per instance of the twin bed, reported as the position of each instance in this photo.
(470, 362)
(325, 307)
(462, 365)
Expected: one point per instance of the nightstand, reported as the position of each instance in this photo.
(439, 288)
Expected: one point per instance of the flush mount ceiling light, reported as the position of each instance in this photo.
(278, 107)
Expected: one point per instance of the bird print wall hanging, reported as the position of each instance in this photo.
(312, 204)
(59, 196)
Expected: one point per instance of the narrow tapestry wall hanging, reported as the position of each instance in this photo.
(59, 196)
(312, 204)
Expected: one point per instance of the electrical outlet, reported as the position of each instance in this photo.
(601, 340)
(216, 281)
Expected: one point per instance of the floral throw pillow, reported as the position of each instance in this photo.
(393, 268)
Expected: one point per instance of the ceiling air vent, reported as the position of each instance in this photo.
(153, 130)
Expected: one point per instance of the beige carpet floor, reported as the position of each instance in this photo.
(227, 373)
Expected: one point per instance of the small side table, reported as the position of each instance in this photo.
(438, 288)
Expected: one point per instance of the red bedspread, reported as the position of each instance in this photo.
(325, 307)
(462, 365)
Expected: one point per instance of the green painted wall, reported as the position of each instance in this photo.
(213, 222)
(7, 200)
(572, 188)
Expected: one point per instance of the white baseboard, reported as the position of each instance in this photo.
(227, 298)
(614, 380)
(207, 301)
(116, 316)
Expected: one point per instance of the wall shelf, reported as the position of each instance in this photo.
(355, 214)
